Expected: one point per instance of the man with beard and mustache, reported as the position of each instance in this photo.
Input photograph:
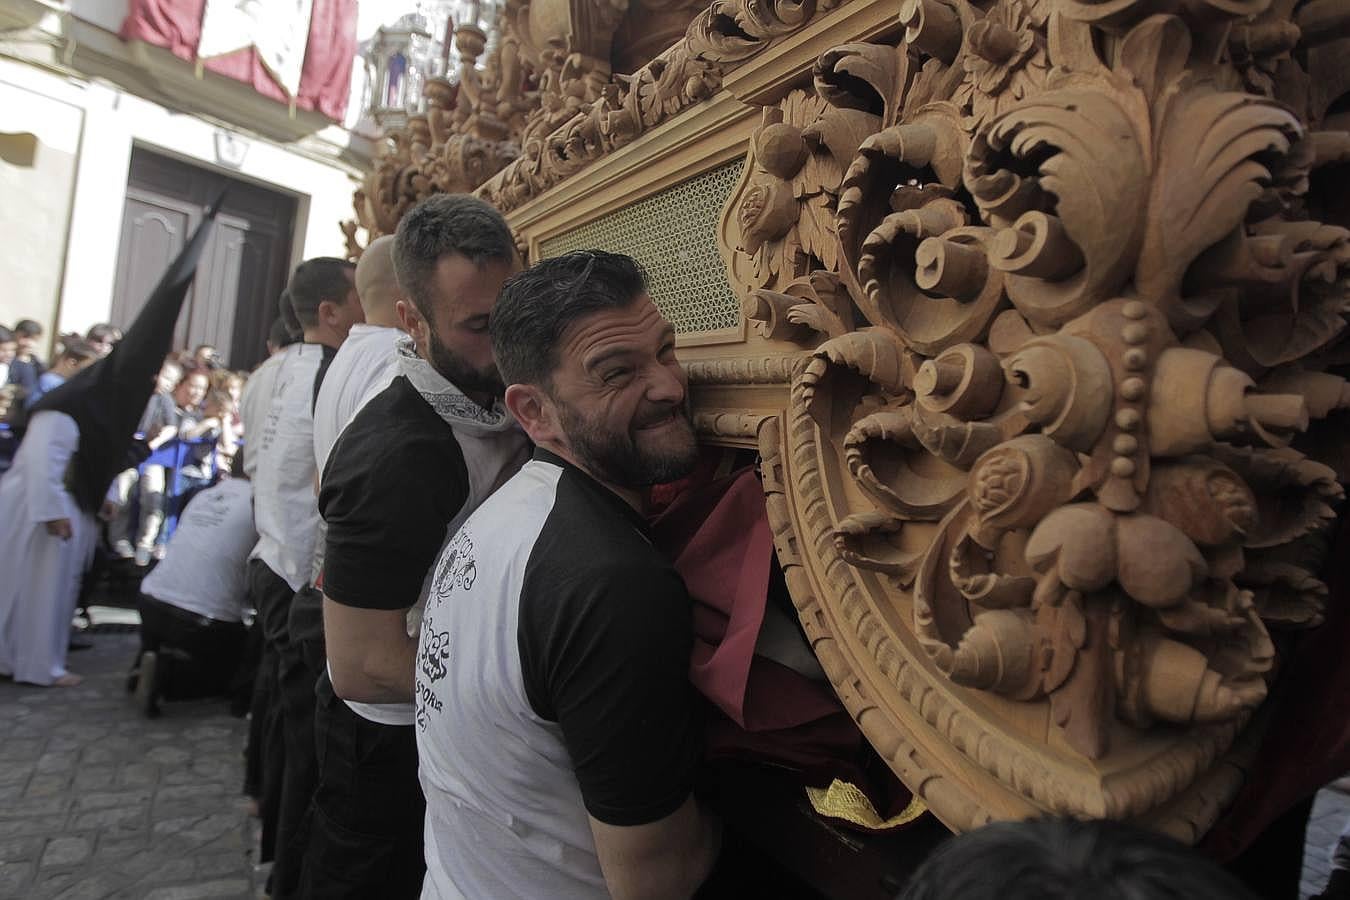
(416, 460)
(556, 725)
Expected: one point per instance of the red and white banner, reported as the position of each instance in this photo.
(278, 30)
(288, 50)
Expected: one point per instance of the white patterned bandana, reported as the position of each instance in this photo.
(448, 401)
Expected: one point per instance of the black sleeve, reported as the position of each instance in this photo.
(386, 500)
(609, 662)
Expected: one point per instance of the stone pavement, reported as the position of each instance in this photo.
(97, 801)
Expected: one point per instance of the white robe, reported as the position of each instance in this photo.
(40, 573)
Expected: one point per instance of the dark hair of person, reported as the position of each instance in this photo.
(441, 225)
(77, 348)
(315, 281)
(288, 318)
(1065, 859)
(279, 335)
(537, 306)
(103, 331)
(27, 328)
(6, 336)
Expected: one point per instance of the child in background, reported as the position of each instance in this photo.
(25, 368)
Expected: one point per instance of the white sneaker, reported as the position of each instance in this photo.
(123, 549)
(142, 556)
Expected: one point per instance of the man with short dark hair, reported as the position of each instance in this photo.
(415, 460)
(1052, 859)
(280, 460)
(557, 729)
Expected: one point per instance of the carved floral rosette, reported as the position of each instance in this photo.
(1044, 493)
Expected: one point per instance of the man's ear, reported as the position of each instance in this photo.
(327, 312)
(411, 320)
(532, 408)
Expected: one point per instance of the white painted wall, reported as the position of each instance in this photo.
(36, 192)
(113, 123)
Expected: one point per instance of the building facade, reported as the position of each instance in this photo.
(113, 137)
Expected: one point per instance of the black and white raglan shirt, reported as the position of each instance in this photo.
(552, 683)
(399, 481)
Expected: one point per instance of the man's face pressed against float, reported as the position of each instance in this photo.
(621, 396)
(457, 338)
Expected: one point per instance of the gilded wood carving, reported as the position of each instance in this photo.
(549, 103)
(1064, 428)
(1043, 490)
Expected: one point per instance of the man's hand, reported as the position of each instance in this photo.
(370, 655)
(59, 528)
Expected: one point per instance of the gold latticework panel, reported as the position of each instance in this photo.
(674, 235)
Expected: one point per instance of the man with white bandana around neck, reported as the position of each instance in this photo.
(417, 459)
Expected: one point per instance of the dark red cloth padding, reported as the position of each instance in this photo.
(719, 538)
(325, 80)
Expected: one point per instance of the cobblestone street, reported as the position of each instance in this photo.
(98, 802)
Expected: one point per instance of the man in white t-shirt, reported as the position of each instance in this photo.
(280, 451)
(192, 604)
(367, 360)
(364, 365)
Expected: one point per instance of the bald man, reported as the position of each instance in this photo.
(367, 361)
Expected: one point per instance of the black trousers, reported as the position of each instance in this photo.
(302, 659)
(271, 596)
(366, 837)
(196, 656)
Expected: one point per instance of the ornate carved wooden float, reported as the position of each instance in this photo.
(1032, 309)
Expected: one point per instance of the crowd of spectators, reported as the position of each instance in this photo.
(191, 426)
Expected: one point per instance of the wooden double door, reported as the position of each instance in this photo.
(244, 268)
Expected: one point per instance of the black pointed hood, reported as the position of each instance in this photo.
(108, 399)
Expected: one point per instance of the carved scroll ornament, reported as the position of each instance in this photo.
(1043, 492)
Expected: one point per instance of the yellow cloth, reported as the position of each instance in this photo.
(844, 801)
